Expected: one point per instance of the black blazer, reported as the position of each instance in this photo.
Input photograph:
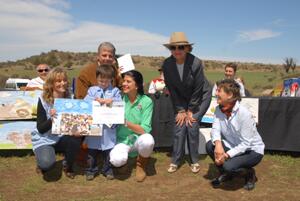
(188, 93)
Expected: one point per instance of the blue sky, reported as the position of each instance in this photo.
(233, 30)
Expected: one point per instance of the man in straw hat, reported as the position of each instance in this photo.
(190, 95)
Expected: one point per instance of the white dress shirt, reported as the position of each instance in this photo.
(238, 133)
(36, 82)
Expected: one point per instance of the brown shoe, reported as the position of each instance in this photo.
(141, 163)
(123, 169)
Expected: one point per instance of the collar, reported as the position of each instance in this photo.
(108, 88)
(126, 98)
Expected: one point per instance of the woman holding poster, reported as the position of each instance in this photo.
(235, 145)
(134, 135)
(45, 143)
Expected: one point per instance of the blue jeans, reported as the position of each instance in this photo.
(246, 160)
(92, 167)
(45, 155)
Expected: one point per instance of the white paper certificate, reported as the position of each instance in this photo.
(108, 115)
(125, 63)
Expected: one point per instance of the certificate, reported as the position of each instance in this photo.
(108, 115)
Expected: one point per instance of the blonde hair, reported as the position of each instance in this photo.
(48, 87)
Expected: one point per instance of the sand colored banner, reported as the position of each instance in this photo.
(18, 105)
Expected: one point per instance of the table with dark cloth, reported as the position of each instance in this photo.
(162, 120)
(279, 123)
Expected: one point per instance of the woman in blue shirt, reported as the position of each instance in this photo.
(235, 144)
(44, 143)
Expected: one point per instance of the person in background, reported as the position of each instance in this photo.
(235, 144)
(44, 143)
(104, 93)
(158, 84)
(185, 81)
(134, 135)
(87, 76)
(38, 82)
(230, 73)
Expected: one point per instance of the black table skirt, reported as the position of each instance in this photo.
(279, 123)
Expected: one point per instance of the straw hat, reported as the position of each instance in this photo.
(178, 38)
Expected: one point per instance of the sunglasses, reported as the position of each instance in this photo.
(43, 70)
(180, 47)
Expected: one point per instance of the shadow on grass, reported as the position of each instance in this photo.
(236, 183)
(16, 152)
(125, 172)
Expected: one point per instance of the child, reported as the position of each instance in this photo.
(45, 143)
(104, 93)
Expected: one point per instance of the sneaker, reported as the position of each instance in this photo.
(172, 168)
(195, 167)
(250, 180)
(216, 183)
(70, 174)
(89, 177)
(109, 176)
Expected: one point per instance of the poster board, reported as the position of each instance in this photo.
(16, 134)
(250, 103)
(18, 105)
(85, 117)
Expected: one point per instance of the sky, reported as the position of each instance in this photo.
(230, 30)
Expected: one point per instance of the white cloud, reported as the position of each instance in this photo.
(31, 27)
(278, 22)
(254, 35)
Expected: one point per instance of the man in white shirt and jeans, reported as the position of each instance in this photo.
(38, 82)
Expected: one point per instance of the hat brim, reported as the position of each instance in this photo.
(176, 44)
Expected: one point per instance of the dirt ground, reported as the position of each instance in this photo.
(278, 179)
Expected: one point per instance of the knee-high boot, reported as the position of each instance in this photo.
(141, 163)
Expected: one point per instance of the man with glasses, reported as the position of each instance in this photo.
(38, 82)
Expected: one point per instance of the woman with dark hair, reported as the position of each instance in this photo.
(134, 135)
(235, 146)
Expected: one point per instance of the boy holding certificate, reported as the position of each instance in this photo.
(104, 93)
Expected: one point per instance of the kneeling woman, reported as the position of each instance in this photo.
(45, 143)
(134, 134)
(235, 144)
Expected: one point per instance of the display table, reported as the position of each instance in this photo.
(279, 123)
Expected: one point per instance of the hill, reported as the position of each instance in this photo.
(258, 76)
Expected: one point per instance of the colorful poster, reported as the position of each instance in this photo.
(250, 103)
(291, 87)
(17, 105)
(16, 134)
(85, 117)
(74, 116)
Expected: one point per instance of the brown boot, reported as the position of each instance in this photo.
(141, 163)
